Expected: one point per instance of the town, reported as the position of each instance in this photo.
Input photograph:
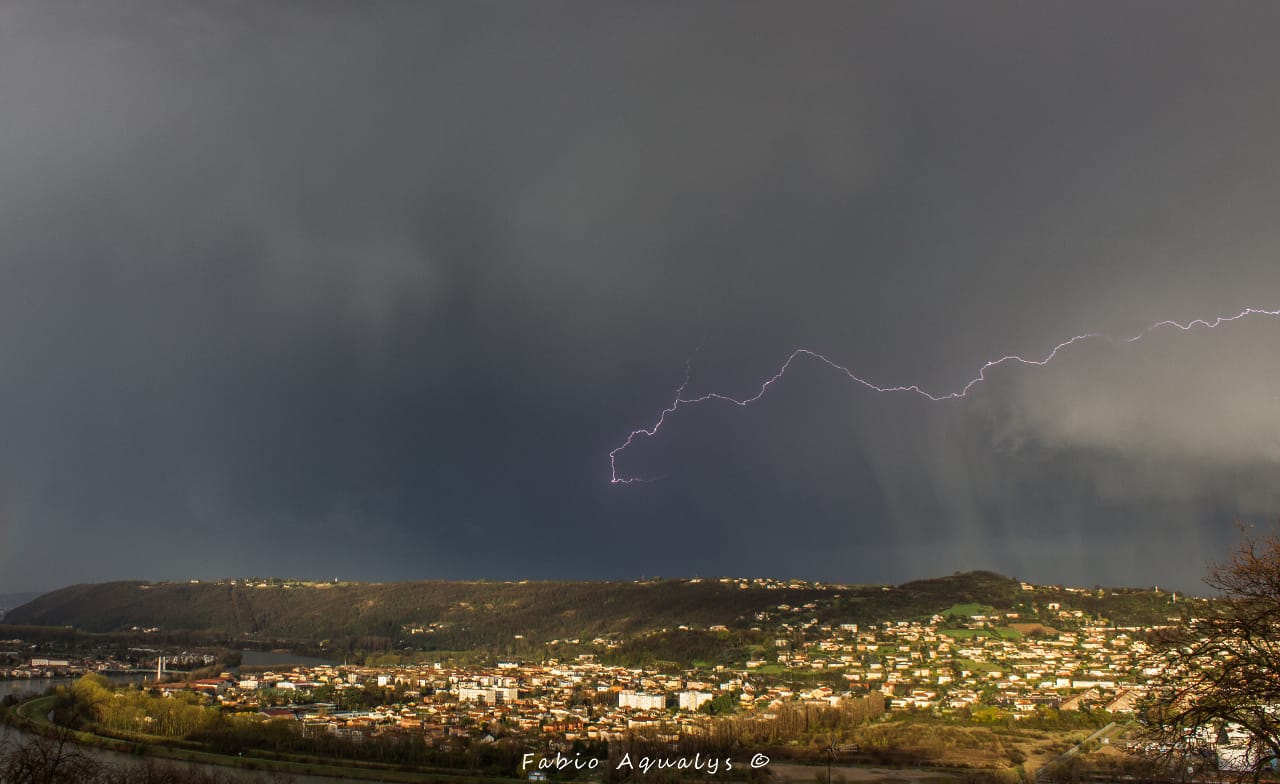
(969, 660)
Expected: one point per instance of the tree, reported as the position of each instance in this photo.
(45, 760)
(1222, 669)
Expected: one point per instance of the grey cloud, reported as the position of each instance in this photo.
(400, 276)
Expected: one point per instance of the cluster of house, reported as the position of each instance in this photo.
(40, 667)
(33, 667)
(921, 665)
(577, 700)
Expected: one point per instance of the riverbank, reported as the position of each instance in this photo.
(32, 716)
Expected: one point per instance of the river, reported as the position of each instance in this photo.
(22, 687)
(34, 687)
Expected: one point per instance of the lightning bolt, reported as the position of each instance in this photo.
(680, 400)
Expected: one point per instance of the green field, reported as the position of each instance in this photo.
(977, 666)
(1003, 632)
(968, 609)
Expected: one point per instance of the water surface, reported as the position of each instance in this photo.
(33, 687)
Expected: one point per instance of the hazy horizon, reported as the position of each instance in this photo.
(1202, 592)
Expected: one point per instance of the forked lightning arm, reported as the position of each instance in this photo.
(681, 400)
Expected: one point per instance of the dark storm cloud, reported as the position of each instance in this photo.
(318, 289)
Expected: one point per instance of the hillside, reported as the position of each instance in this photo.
(11, 600)
(438, 615)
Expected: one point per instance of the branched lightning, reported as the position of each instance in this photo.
(680, 400)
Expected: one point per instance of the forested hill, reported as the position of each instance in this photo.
(460, 615)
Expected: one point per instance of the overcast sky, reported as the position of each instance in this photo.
(372, 290)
